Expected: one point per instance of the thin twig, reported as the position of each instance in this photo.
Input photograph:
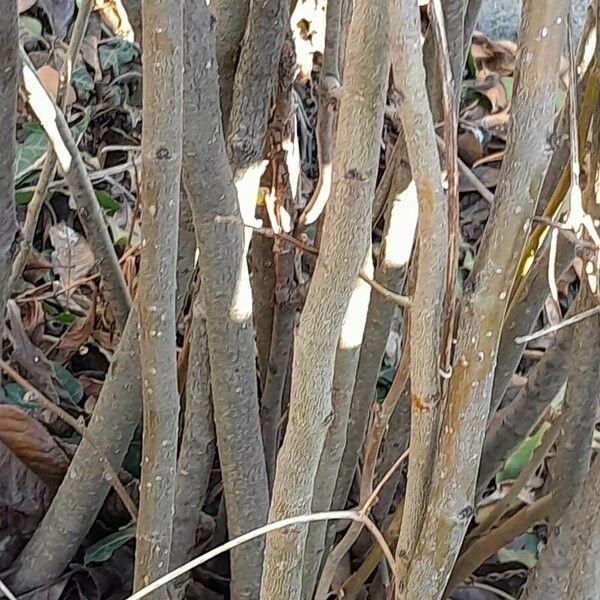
(375, 493)
(110, 473)
(49, 168)
(489, 588)
(70, 160)
(403, 301)
(469, 174)
(340, 515)
(524, 339)
(6, 591)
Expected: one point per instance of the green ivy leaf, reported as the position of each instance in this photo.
(81, 79)
(23, 197)
(107, 202)
(68, 383)
(115, 54)
(65, 318)
(104, 549)
(31, 149)
(521, 456)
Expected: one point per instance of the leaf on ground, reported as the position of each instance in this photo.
(28, 355)
(23, 5)
(114, 16)
(30, 150)
(50, 79)
(115, 54)
(72, 258)
(68, 383)
(78, 333)
(31, 442)
(103, 550)
(20, 488)
(59, 13)
(107, 202)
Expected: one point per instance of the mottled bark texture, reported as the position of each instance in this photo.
(485, 297)
(197, 451)
(282, 200)
(344, 375)
(231, 17)
(160, 185)
(523, 313)
(253, 88)
(511, 425)
(569, 566)
(392, 266)
(425, 328)
(345, 237)
(84, 488)
(227, 299)
(9, 83)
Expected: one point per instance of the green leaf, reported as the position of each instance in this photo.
(115, 54)
(471, 66)
(14, 394)
(23, 197)
(31, 149)
(104, 549)
(32, 26)
(68, 383)
(107, 202)
(524, 557)
(521, 456)
(66, 318)
(81, 79)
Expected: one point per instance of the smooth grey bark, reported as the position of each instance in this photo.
(284, 196)
(254, 84)
(568, 568)
(511, 425)
(523, 313)
(186, 250)
(485, 299)
(197, 452)
(231, 17)
(84, 488)
(227, 299)
(344, 375)
(346, 232)
(392, 266)
(160, 191)
(9, 85)
(426, 320)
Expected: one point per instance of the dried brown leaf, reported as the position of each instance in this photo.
(50, 79)
(20, 488)
(77, 333)
(115, 17)
(24, 5)
(72, 258)
(28, 355)
(60, 13)
(31, 442)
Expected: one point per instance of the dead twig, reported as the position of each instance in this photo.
(49, 168)
(110, 473)
(341, 515)
(524, 339)
(69, 158)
